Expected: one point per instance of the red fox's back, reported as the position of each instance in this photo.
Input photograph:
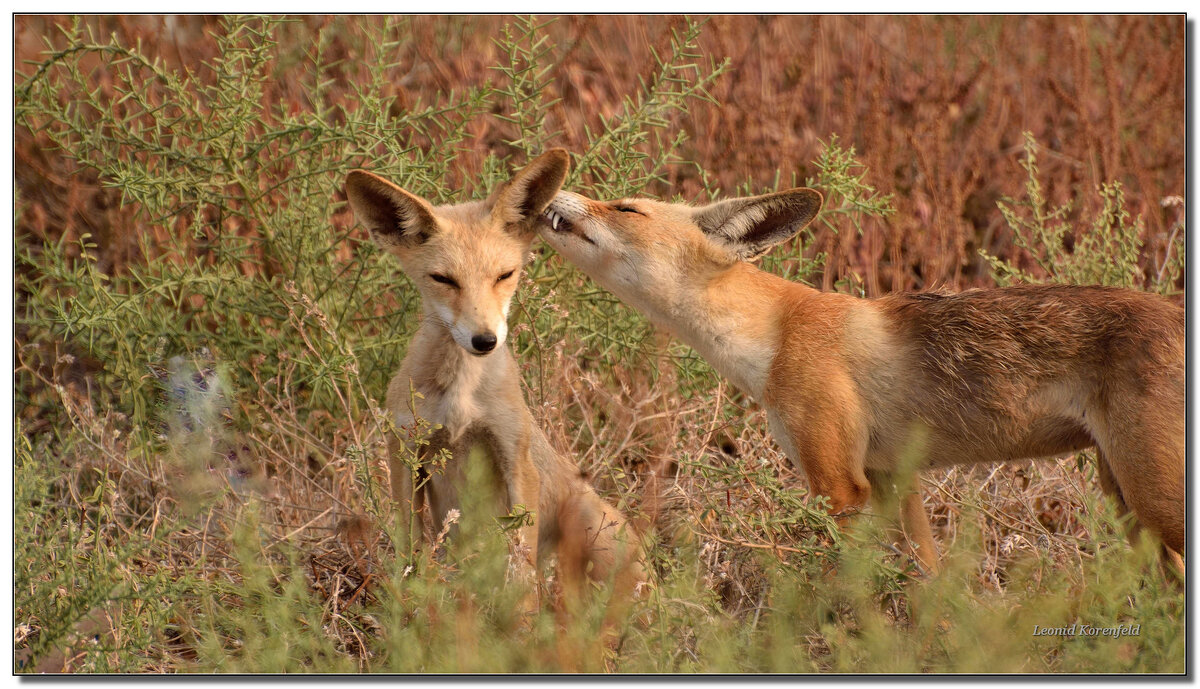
(1022, 366)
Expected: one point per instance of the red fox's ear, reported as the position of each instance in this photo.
(751, 226)
(528, 193)
(395, 217)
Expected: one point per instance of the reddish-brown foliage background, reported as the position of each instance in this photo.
(935, 107)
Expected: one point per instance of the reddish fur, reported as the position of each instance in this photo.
(990, 375)
(862, 393)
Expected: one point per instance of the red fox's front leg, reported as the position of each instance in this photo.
(902, 492)
(826, 438)
(919, 531)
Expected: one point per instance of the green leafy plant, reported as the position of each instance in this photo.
(1107, 252)
(199, 458)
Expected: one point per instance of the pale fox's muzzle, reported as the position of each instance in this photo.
(483, 343)
(479, 343)
(479, 340)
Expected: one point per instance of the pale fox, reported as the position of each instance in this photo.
(854, 387)
(466, 260)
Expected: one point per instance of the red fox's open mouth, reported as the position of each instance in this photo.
(561, 225)
(557, 222)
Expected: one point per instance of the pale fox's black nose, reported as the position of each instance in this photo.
(484, 343)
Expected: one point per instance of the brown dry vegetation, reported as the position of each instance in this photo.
(935, 108)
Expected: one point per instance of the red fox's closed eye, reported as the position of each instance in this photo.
(628, 209)
(505, 276)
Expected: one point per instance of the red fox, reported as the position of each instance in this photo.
(466, 260)
(854, 387)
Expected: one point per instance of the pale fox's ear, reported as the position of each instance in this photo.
(527, 194)
(396, 218)
(751, 226)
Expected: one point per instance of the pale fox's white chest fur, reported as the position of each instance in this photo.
(458, 406)
(457, 396)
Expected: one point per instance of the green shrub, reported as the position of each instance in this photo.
(1107, 252)
(211, 496)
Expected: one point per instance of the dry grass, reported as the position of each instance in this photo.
(934, 106)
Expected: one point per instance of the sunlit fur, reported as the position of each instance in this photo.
(477, 250)
(854, 388)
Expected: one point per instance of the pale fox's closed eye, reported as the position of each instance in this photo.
(458, 377)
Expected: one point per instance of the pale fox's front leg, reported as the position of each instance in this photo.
(407, 502)
(523, 486)
(407, 490)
